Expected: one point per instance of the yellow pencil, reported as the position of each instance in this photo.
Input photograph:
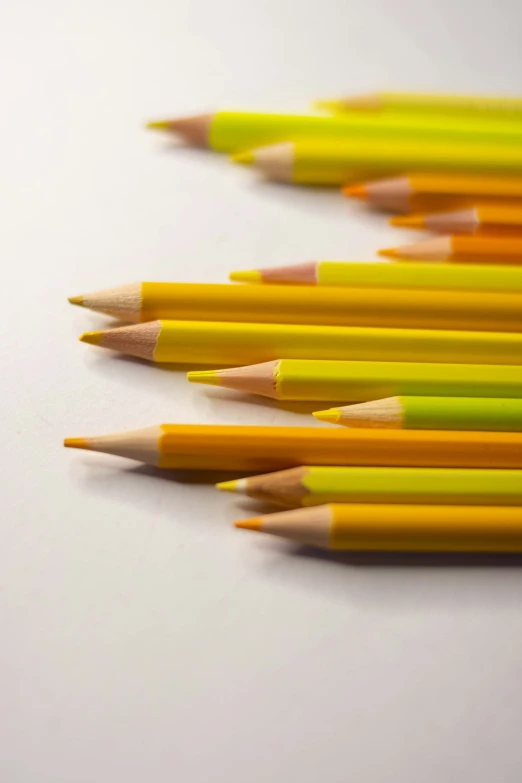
(397, 527)
(471, 310)
(297, 379)
(440, 277)
(316, 485)
(313, 163)
(222, 343)
(229, 131)
(254, 449)
(477, 107)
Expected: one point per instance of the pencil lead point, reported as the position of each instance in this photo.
(407, 221)
(227, 486)
(354, 191)
(245, 276)
(76, 300)
(329, 106)
(331, 415)
(253, 523)
(243, 158)
(161, 125)
(388, 252)
(208, 377)
(93, 338)
(75, 443)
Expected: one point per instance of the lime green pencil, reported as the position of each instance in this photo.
(293, 379)
(313, 486)
(431, 413)
(230, 131)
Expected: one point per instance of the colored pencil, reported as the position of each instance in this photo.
(441, 277)
(423, 192)
(374, 527)
(429, 104)
(479, 221)
(254, 449)
(222, 343)
(322, 306)
(314, 486)
(296, 379)
(313, 163)
(486, 250)
(431, 413)
(229, 131)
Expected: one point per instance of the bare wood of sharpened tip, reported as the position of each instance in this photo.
(193, 130)
(139, 342)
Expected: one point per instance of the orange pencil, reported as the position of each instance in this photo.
(478, 221)
(431, 192)
(477, 250)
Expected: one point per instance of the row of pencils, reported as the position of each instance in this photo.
(420, 362)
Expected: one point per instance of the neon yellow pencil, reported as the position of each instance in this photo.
(474, 107)
(313, 486)
(443, 277)
(229, 131)
(291, 379)
(313, 163)
(431, 413)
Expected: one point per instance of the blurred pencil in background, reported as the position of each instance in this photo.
(475, 250)
(478, 221)
(316, 485)
(430, 413)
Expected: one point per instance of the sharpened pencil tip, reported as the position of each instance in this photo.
(354, 191)
(253, 523)
(161, 125)
(245, 276)
(388, 252)
(77, 300)
(93, 338)
(208, 377)
(407, 221)
(329, 106)
(331, 415)
(227, 486)
(75, 443)
(243, 158)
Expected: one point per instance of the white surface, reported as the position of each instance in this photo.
(143, 639)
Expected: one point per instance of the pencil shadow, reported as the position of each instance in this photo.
(244, 398)
(409, 560)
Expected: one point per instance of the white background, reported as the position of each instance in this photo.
(142, 637)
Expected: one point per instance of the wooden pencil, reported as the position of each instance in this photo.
(315, 163)
(478, 107)
(428, 413)
(255, 449)
(222, 343)
(477, 221)
(301, 379)
(230, 131)
(374, 527)
(316, 485)
(422, 192)
(485, 311)
(476, 250)
(440, 277)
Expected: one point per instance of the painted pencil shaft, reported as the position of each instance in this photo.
(374, 527)
(425, 413)
(483, 311)
(476, 250)
(311, 163)
(478, 107)
(222, 343)
(479, 277)
(255, 449)
(229, 131)
(478, 221)
(315, 486)
(291, 379)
